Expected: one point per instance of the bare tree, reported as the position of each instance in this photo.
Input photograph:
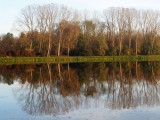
(51, 18)
(26, 22)
(129, 15)
(63, 16)
(121, 26)
(110, 21)
(41, 17)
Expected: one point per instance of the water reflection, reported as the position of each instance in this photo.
(59, 88)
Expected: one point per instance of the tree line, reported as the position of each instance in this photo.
(52, 29)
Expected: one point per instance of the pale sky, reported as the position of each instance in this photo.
(10, 9)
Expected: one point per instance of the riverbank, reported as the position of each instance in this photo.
(73, 59)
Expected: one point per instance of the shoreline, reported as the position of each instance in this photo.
(77, 59)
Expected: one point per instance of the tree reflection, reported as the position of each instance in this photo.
(59, 88)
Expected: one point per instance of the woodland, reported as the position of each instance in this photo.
(57, 30)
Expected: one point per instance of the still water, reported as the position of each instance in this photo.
(91, 91)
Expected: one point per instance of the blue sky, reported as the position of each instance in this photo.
(10, 9)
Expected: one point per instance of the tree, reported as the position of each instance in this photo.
(51, 12)
(101, 38)
(64, 15)
(26, 22)
(129, 15)
(88, 32)
(7, 43)
(111, 27)
(41, 24)
(120, 19)
(71, 34)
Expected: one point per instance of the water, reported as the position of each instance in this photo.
(91, 91)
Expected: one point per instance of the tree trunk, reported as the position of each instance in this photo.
(30, 49)
(59, 49)
(40, 46)
(49, 46)
(136, 44)
(59, 46)
(129, 46)
(120, 46)
(68, 50)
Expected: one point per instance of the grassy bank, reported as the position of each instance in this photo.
(65, 59)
